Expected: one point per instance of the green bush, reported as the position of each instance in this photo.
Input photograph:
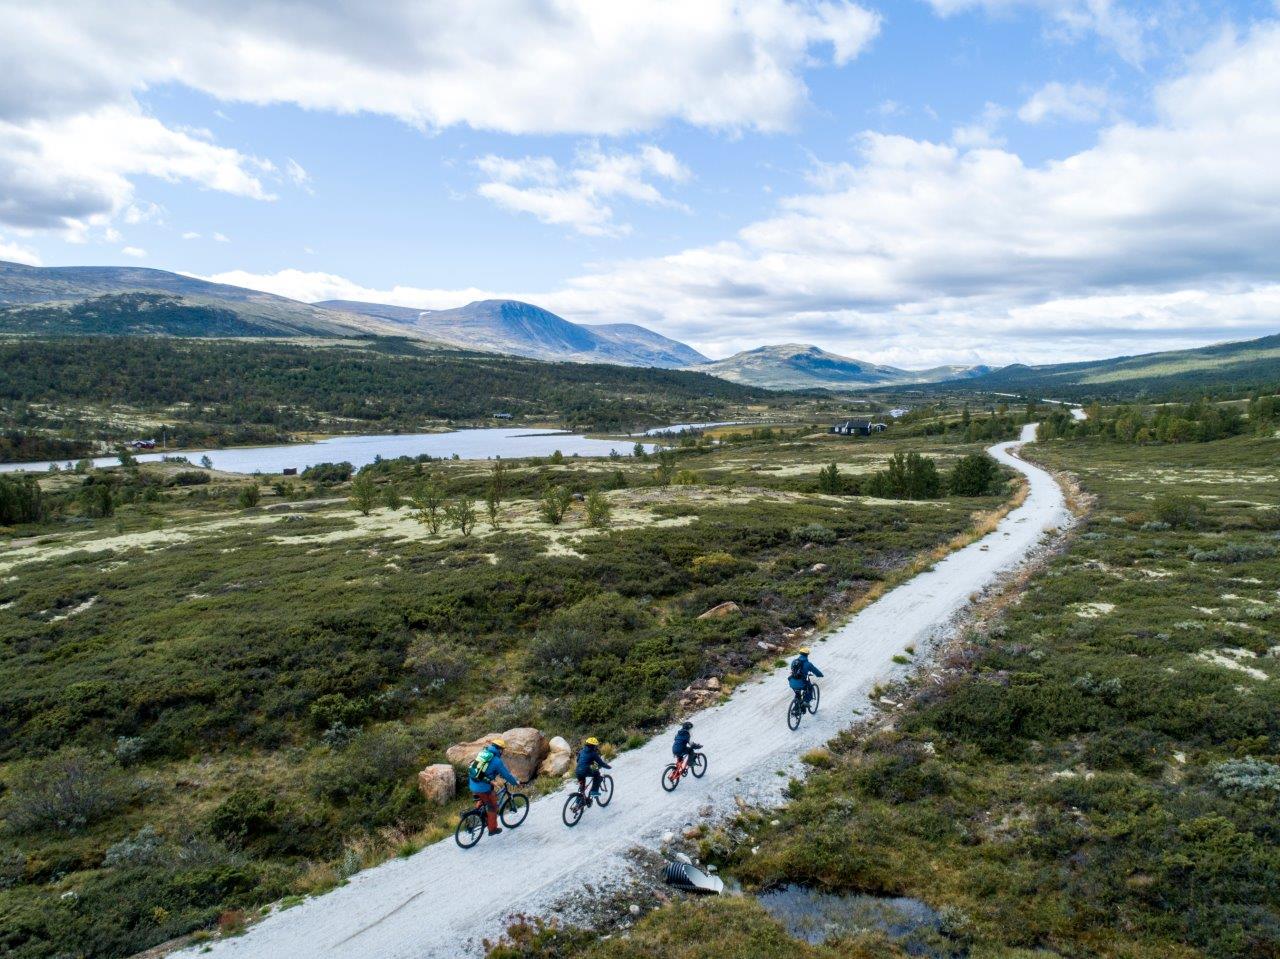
(1178, 509)
(65, 792)
(975, 475)
(908, 476)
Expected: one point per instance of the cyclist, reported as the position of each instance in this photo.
(682, 748)
(801, 670)
(590, 762)
(484, 769)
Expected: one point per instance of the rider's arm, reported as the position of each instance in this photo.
(815, 670)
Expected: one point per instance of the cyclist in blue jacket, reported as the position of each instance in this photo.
(590, 762)
(801, 670)
(682, 748)
(484, 769)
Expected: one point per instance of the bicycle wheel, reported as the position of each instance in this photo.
(699, 765)
(572, 812)
(795, 710)
(670, 780)
(606, 791)
(470, 828)
(813, 703)
(514, 809)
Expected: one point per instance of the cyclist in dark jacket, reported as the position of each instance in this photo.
(801, 670)
(590, 762)
(487, 767)
(682, 748)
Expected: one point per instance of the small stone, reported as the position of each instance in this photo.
(691, 832)
(775, 822)
(633, 909)
(705, 811)
(819, 568)
(668, 838)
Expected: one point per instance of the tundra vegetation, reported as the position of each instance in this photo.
(207, 706)
(1094, 770)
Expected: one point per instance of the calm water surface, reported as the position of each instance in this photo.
(508, 443)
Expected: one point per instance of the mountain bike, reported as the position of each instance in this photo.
(577, 803)
(512, 810)
(671, 776)
(796, 708)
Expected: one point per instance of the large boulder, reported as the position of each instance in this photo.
(526, 748)
(720, 612)
(438, 782)
(461, 754)
(559, 758)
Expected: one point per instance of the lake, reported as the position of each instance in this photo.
(509, 443)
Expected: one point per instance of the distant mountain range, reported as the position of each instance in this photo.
(796, 366)
(522, 329)
(77, 300)
(1243, 365)
(80, 300)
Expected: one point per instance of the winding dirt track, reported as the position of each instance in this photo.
(442, 901)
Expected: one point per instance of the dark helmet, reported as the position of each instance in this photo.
(686, 725)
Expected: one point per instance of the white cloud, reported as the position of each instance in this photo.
(1077, 102)
(311, 287)
(17, 253)
(73, 139)
(73, 172)
(573, 66)
(1109, 20)
(221, 238)
(297, 174)
(191, 235)
(578, 197)
(135, 251)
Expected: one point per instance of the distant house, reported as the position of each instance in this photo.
(290, 471)
(858, 428)
(502, 416)
(143, 444)
(900, 411)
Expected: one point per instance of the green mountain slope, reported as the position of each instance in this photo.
(73, 300)
(797, 366)
(1251, 364)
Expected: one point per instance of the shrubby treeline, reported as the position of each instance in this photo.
(295, 387)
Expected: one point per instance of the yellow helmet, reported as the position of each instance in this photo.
(499, 742)
(803, 650)
(592, 741)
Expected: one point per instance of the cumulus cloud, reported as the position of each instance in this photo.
(134, 251)
(313, 286)
(917, 252)
(72, 172)
(578, 197)
(1109, 20)
(17, 253)
(73, 69)
(1077, 102)
(572, 66)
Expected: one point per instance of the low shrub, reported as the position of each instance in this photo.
(65, 792)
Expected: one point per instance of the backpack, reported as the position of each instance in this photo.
(479, 768)
(797, 668)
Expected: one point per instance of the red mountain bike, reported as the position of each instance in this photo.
(671, 776)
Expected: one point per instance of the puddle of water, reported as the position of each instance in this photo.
(817, 916)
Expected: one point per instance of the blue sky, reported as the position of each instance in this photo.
(916, 181)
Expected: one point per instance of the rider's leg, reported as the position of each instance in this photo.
(595, 785)
(490, 803)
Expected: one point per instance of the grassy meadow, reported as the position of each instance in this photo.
(1094, 770)
(217, 696)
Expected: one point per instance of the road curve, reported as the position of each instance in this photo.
(442, 900)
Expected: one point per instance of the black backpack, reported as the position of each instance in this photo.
(797, 668)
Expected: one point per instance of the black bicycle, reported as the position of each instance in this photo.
(577, 803)
(796, 709)
(671, 776)
(512, 810)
